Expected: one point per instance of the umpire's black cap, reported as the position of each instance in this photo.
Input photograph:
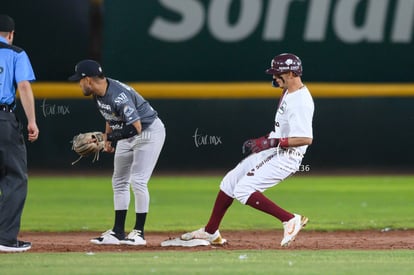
(86, 68)
(6, 23)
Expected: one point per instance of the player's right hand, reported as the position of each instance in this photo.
(108, 147)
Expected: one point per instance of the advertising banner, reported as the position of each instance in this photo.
(234, 40)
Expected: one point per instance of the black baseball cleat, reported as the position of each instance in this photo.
(19, 246)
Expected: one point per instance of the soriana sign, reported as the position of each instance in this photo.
(235, 39)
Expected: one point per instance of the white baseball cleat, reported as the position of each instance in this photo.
(135, 237)
(108, 237)
(19, 246)
(292, 228)
(214, 239)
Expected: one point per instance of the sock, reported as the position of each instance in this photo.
(221, 205)
(140, 222)
(258, 201)
(119, 225)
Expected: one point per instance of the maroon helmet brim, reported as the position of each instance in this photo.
(271, 71)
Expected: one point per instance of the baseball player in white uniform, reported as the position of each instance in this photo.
(134, 129)
(271, 158)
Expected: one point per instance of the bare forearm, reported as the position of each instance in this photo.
(27, 99)
(299, 141)
(138, 126)
(108, 129)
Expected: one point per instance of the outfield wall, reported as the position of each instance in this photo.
(207, 123)
(202, 63)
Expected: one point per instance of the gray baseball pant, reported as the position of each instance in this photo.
(134, 161)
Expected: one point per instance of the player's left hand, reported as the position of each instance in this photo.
(90, 143)
(258, 144)
(33, 132)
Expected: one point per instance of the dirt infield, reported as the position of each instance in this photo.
(237, 240)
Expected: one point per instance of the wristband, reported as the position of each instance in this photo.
(126, 132)
(273, 142)
(113, 136)
(284, 142)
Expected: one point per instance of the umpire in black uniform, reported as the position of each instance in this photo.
(15, 72)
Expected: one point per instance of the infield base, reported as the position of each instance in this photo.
(190, 243)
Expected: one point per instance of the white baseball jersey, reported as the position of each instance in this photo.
(265, 169)
(294, 116)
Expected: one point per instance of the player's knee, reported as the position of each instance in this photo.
(228, 185)
(242, 194)
(120, 187)
(118, 179)
(139, 186)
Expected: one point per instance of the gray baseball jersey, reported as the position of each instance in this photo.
(122, 105)
(136, 155)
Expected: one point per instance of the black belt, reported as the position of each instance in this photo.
(6, 108)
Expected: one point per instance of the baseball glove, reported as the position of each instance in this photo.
(86, 144)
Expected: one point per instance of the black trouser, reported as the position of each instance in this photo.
(13, 177)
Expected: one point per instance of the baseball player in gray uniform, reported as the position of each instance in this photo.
(271, 159)
(135, 133)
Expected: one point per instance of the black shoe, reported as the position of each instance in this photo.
(20, 246)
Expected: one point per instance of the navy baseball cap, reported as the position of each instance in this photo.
(6, 23)
(86, 68)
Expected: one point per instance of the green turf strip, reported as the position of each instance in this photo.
(184, 203)
(212, 262)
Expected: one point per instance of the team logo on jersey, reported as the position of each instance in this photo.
(103, 106)
(110, 116)
(128, 111)
(251, 173)
(282, 107)
(117, 126)
(122, 98)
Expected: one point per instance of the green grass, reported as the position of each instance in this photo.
(213, 262)
(184, 203)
